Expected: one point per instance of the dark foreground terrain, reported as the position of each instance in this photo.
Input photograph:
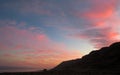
(65, 73)
(105, 61)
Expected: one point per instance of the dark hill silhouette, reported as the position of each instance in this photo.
(103, 59)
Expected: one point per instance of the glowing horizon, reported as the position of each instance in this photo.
(38, 34)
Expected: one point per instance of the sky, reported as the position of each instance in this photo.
(39, 34)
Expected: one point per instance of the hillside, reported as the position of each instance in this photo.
(105, 61)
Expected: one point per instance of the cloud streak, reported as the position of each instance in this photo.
(96, 22)
(29, 48)
(99, 31)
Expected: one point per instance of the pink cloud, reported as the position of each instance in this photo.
(26, 47)
(101, 31)
(98, 9)
(99, 37)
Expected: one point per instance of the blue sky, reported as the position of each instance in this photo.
(54, 30)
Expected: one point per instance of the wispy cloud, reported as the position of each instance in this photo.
(26, 47)
(100, 32)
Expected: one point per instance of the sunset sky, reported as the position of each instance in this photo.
(38, 34)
